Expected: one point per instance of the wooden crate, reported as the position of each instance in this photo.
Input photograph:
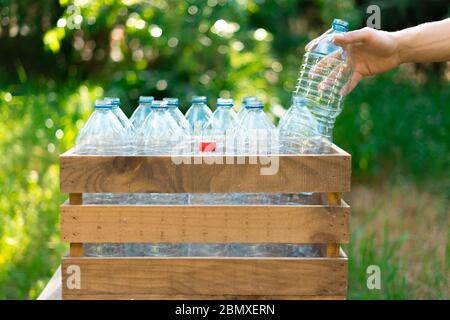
(205, 277)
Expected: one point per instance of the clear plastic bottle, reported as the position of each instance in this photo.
(220, 125)
(126, 123)
(142, 111)
(173, 105)
(159, 134)
(211, 139)
(255, 133)
(198, 115)
(103, 133)
(324, 72)
(242, 110)
(298, 129)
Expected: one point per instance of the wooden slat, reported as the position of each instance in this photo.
(285, 224)
(134, 174)
(333, 247)
(207, 276)
(76, 248)
(53, 291)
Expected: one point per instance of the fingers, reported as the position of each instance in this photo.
(333, 77)
(361, 35)
(327, 62)
(351, 84)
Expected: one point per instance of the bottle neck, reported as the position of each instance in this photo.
(339, 29)
(103, 110)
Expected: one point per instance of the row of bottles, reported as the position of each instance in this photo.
(159, 127)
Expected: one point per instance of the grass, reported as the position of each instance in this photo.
(404, 230)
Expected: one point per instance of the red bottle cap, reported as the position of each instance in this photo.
(207, 146)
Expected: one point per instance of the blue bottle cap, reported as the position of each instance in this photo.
(222, 102)
(146, 99)
(199, 99)
(254, 104)
(172, 102)
(102, 104)
(247, 99)
(340, 25)
(158, 104)
(115, 102)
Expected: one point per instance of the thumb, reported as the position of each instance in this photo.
(352, 37)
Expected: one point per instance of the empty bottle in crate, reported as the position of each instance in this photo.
(213, 140)
(126, 123)
(103, 133)
(255, 133)
(173, 105)
(198, 115)
(160, 134)
(298, 129)
(219, 126)
(323, 74)
(142, 111)
(242, 110)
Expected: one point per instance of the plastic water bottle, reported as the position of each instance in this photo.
(142, 111)
(103, 134)
(324, 72)
(214, 136)
(298, 129)
(159, 134)
(173, 104)
(198, 115)
(126, 123)
(242, 110)
(220, 125)
(255, 133)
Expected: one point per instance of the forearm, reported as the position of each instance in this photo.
(429, 42)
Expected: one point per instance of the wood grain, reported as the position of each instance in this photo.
(76, 248)
(284, 224)
(159, 174)
(333, 247)
(208, 276)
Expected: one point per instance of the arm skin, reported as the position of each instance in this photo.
(374, 51)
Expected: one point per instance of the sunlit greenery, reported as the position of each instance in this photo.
(56, 60)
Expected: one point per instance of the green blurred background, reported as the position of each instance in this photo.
(56, 59)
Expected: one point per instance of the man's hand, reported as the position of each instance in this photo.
(371, 52)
